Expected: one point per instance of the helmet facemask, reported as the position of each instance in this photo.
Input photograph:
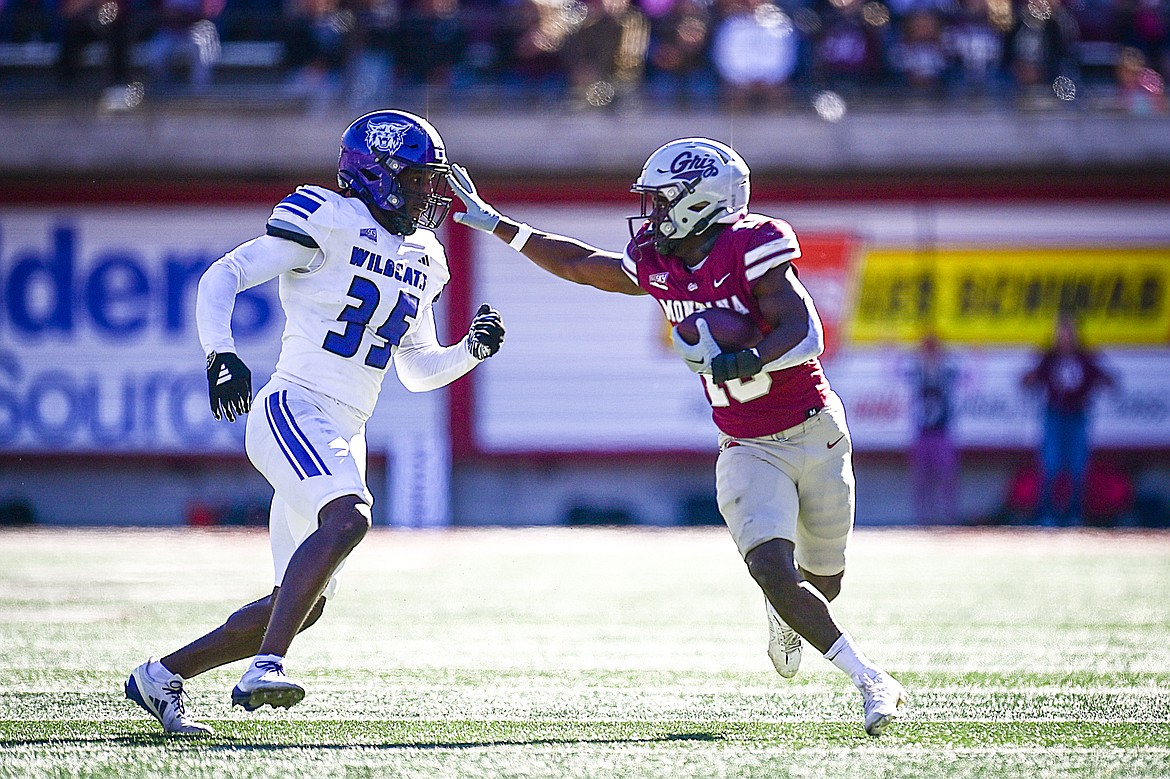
(425, 193)
(666, 227)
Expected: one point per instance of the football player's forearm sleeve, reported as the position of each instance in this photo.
(423, 364)
(813, 342)
(246, 266)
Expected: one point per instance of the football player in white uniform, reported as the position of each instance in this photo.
(784, 475)
(359, 271)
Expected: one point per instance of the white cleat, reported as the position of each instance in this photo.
(266, 684)
(161, 694)
(884, 700)
(784, 644)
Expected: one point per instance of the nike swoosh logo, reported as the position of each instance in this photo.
(839, 440)
(719, 282)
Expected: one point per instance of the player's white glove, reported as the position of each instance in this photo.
(479, 214)
(486, 334)
(697, 356)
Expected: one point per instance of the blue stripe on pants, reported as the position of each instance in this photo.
(294, 450)
(301, 437)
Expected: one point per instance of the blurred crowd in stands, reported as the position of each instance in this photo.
(740, 54)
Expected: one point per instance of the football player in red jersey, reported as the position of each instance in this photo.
(784, 476)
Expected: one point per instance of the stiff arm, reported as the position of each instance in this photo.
(560, 255)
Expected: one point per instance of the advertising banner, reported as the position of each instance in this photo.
(98, 346)
(99, 351)
(999, 295)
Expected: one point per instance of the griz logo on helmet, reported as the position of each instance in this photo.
(386, 136)
(693, 166)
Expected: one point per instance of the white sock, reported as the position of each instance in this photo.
(160, 673)
(266, 659)
(846, 656)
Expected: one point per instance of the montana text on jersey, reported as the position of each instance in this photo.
(746, 250)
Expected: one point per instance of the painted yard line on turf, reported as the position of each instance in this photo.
(902, 749)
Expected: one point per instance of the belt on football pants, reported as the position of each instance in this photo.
(809, 416)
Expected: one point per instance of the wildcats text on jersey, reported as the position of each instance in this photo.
(364, 258)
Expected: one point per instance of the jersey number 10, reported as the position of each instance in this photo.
(347, 342)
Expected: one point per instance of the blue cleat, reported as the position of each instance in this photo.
(266, 684)
(163, 700)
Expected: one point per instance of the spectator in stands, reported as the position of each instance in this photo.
(533, 49)
(186, 36)
(933, 377)
(606, 54)
(918, 58)
(89, 21)
(1067, 374)
(1145, 26)
(366, 64)
(1041, 46)
(849, 51)
(322, 40)
(755, 52)
(680, 70)
(1141, 90)
(974, 45)
(431, 45)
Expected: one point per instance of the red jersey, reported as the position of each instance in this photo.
(747, 249)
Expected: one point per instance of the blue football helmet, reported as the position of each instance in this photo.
(397, 164)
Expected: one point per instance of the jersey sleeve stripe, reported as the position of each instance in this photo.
(630, 267)
(283, 206)
(763, 266)
(299, 199)
(781, 253)
(291, 235)
(752, 256)
(306, 192)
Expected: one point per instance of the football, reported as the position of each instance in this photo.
(731, 330)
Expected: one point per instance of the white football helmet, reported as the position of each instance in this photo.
(687, 186)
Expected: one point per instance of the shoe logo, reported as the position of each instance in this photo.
(839, 440)
(719, 282)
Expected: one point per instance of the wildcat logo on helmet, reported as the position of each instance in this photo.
(386, 136)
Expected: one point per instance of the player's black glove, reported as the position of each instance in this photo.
(229, 382)
(486, 333)
(735, 365)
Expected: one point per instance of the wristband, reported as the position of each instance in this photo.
(523, 233)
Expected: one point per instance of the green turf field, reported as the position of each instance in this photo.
(597, 653)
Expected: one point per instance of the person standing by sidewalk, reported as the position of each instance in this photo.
(1067, 375)
(933, 377)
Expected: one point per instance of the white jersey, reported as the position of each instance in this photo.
(354, 296)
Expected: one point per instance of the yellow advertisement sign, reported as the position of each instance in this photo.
(1012, 295)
